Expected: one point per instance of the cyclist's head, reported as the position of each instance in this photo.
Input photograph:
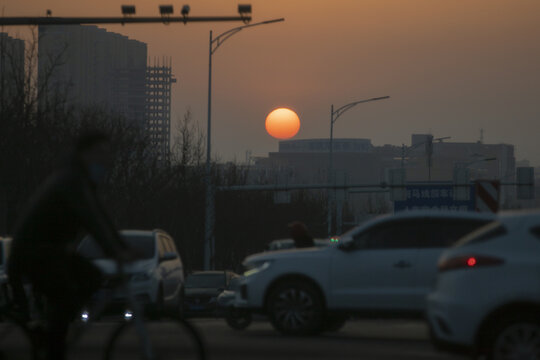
(93, 149)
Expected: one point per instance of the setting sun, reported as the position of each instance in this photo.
(282, 123)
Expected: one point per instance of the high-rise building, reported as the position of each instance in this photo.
(89, 66)
(11, 66)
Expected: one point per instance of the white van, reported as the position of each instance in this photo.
(157, 278)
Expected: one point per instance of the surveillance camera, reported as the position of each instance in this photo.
(244, 9)
(185, 10)
(166, 9)
(128, 9)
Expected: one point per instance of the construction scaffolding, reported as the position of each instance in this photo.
(159, 80)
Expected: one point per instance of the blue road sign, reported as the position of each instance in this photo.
(434, 197)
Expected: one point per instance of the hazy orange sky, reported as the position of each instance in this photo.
(450, 67)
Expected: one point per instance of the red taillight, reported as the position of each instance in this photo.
(469, 261)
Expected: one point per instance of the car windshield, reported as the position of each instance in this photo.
(143, 245)
(206, 281)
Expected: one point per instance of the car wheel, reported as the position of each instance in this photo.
(334, 322)
(238, 319)
(516, 337)
(296, 308)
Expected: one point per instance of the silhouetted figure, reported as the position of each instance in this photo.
(298, 232)
(43, 249)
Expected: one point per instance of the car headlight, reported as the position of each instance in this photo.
(257, 267)
(143, 276)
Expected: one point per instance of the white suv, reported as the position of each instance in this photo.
(487, 298)
(386, 266)
(157, 277)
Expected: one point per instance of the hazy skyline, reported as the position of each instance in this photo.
(451, 68)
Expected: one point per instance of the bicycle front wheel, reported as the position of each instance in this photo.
(157, 340)
(16, 341)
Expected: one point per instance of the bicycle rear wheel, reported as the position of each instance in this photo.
(167, 340)
(15, 341)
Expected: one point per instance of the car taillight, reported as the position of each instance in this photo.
(469, 262)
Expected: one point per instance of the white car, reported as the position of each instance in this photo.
(386, 266)
(487, 297)
(157, 278)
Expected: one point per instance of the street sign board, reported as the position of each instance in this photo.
(434, 197)
(487, 195)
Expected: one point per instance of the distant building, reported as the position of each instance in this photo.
(159, 80)
(89, 66)
(307, 161)
(356, 161)
(11, 66)
(323, 145)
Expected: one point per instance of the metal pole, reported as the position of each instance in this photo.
(19, 21)
(209, 218)
(209, 227)
(330, 169)
(402, 156)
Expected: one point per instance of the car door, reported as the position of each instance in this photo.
(439, 234)
(377, 271)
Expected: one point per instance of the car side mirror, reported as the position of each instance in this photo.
(169, 256)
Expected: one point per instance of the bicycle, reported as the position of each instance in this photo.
(134, 337)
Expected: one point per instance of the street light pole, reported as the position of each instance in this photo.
(209, 199)
(405, 150)
(330, 177)
(209, 221)
(334, 115)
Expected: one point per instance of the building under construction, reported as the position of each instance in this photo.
(97, 68)
(159, 80)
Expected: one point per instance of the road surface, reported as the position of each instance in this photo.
(360, 339)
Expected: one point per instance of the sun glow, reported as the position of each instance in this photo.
(282, 123)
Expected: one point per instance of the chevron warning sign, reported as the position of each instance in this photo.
(487, 195)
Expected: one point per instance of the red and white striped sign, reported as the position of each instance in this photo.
(487, 195)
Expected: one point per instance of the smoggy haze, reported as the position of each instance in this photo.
(451, 67)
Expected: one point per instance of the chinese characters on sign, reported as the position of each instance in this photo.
(433, 197)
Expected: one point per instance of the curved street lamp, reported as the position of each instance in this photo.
(214, 44)
(334, 115)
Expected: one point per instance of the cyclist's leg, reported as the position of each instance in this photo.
(58, 280)
(67, 284)
(87, 278)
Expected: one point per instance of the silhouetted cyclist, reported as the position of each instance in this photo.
(43, 249)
